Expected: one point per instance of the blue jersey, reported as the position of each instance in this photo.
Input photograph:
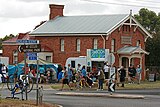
(41, 70)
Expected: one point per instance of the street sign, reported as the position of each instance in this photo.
(32, 56)
(111, 59)
(21, 41)
(30, 48)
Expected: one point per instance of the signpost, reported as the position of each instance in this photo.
(32, 56)
(30, 46)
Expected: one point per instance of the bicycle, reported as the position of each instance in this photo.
(22, 83)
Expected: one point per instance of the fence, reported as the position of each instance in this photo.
(153, 70)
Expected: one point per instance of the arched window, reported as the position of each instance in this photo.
(78, 42)
(113, 45)
(62, 45)
(95, 43)
(138, 43)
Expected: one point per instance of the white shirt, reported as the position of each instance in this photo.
(4, 69)
(106, 68)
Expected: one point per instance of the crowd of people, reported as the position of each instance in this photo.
(83, 76)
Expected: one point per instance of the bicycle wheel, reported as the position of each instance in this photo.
(1, 86)
(27, 82)
(11, 81)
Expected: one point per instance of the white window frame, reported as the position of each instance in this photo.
(62, 45)
(113, 45)
(138, 43)
(15, 56)
(78, 42)
(95, 43)
(48, 58)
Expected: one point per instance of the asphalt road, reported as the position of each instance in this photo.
(152, 99)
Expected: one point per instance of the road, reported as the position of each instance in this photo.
(152, 99)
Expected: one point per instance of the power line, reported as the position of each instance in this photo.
(149, 1)
(121, 4)
(140, 1)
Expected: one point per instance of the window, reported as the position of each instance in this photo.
(15, 57)
(113, 45)
(138, 43)
(126, 40)
(95, 45)
(62, 45)
(78, 45)
(48, 58)
(73, 64)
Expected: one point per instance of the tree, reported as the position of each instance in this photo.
(151, 21)
(7, 37)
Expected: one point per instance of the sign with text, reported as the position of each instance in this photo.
(32, 56)
(30, 48)
(98, 53)
(21, 41)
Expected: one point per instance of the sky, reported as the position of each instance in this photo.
(21, 16)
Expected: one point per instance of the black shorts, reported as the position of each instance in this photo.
(65, 81)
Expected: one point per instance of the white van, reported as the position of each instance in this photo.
(74, 61)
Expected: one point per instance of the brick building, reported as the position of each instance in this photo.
(71, 36)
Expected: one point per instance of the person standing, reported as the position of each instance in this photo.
(106, 70)
(100, 79)
(84, 74)
(42, 73)
(78, 68)
(132, 73)
(70, 74)
(139, 70)
(65, 78)
(122, 74)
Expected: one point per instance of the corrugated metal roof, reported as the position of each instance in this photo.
(131, 49)
(80, 24)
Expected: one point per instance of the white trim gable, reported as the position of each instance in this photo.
(132, 22)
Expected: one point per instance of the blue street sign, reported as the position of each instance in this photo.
(21, 41)
(32, 56)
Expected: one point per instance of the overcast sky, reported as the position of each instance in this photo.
(20, 16)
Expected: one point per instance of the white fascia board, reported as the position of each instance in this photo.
(69, 34)
(118, 25)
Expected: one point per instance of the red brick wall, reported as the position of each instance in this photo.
(86, 42)
(8, 52)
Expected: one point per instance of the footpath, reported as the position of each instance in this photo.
(93, 94)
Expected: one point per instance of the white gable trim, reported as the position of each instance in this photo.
(137, 24)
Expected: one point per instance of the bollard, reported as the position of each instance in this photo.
(40, 95)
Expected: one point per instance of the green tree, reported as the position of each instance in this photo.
(151, 21)
(7, 37)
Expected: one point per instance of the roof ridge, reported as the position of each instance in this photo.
(94, 15)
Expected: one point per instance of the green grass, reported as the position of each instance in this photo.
(143, 85)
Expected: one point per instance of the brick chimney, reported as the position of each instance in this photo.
(55, 10)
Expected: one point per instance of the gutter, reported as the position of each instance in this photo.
(104, 42)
